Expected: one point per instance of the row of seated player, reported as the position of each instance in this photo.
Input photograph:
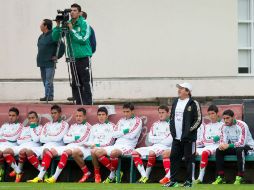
(105, 142)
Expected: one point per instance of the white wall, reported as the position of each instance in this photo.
(136, 38)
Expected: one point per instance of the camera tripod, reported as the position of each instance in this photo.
(69, 58)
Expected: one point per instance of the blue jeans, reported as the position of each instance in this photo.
(47, 76)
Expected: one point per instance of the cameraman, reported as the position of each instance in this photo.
(79, 34)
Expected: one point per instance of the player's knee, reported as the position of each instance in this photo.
(22, 151)
(134, 153)
(99, 153)
(115, 153)
(166, 154)
(152, 153)
(29, 152)
(8, 151)
(76, 153)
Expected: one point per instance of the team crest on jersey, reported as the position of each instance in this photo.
(189, 108)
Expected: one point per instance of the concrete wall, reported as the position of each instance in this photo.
(139, 41)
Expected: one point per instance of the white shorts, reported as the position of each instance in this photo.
(125, 150)
(85, 151)
(5, 145)
(28, 145)
(211, 148)
(157, 148)
(61, 149)
(39, 150)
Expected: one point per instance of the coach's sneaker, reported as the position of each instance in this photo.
(198, 181)
(108, 180)
(1, 174)
(171, 184)
(50, 180)
(238, 180)
(18, 177)
(219, 180)
(85, 177)
(97, 178)
(120, 179)
(35, 180)
(12, 174)
(187, 184)
(164, 180)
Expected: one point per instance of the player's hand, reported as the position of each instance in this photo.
(70, 26)
(223, 146)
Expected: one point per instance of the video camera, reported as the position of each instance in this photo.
(63, 16)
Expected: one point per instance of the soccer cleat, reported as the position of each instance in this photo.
(198, 181)
(143, 180)
(108, 180)
(164, 180)
(97, 178)
(120, 180)
(187, 184)
(18, 177)
(1, 174)
(171, 184)
(219, 180)
(50, 180)
(85, 177)
(238, 180)
(35, 180)
(12, 174)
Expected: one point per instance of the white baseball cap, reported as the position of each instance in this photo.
(185, 85)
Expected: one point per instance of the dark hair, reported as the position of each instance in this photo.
(57, 108)
(33, 112)
(213, 108)
(84, 14)
(187, 90)
(103, 109)
(48, 23)
(163, 107)
(229, 113)
(15, 110)
(75, 5)
(83, 110)
(128, 105)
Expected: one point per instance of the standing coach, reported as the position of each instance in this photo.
(185, 119)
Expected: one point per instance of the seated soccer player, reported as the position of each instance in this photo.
(161, 140)
(208, 139)
(76, 136)
(29, 137)
(100, 136)
(236, 140)
(52, 137)
(9, 133)
(127, 133)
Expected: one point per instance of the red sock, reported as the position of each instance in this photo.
(85, 169)
(105, 161)
(97, 171)
(137, 160)
(46, 160)
(114, 163)
(9, 158)
(151, 161)
(166, 164)
(34, 160)
(22, 157)
(204, 159)
(63, 160)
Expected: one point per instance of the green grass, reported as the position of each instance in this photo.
(92, 186)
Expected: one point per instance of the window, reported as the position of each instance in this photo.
(246, 36)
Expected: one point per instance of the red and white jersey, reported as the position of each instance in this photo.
(160, 133)
(101, 134)
(77, 130)
(207, 132)
(130, 139)
(29, 134)
(9, 132)
(237, 134)
(54, 131)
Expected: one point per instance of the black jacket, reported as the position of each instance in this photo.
(192, 119)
